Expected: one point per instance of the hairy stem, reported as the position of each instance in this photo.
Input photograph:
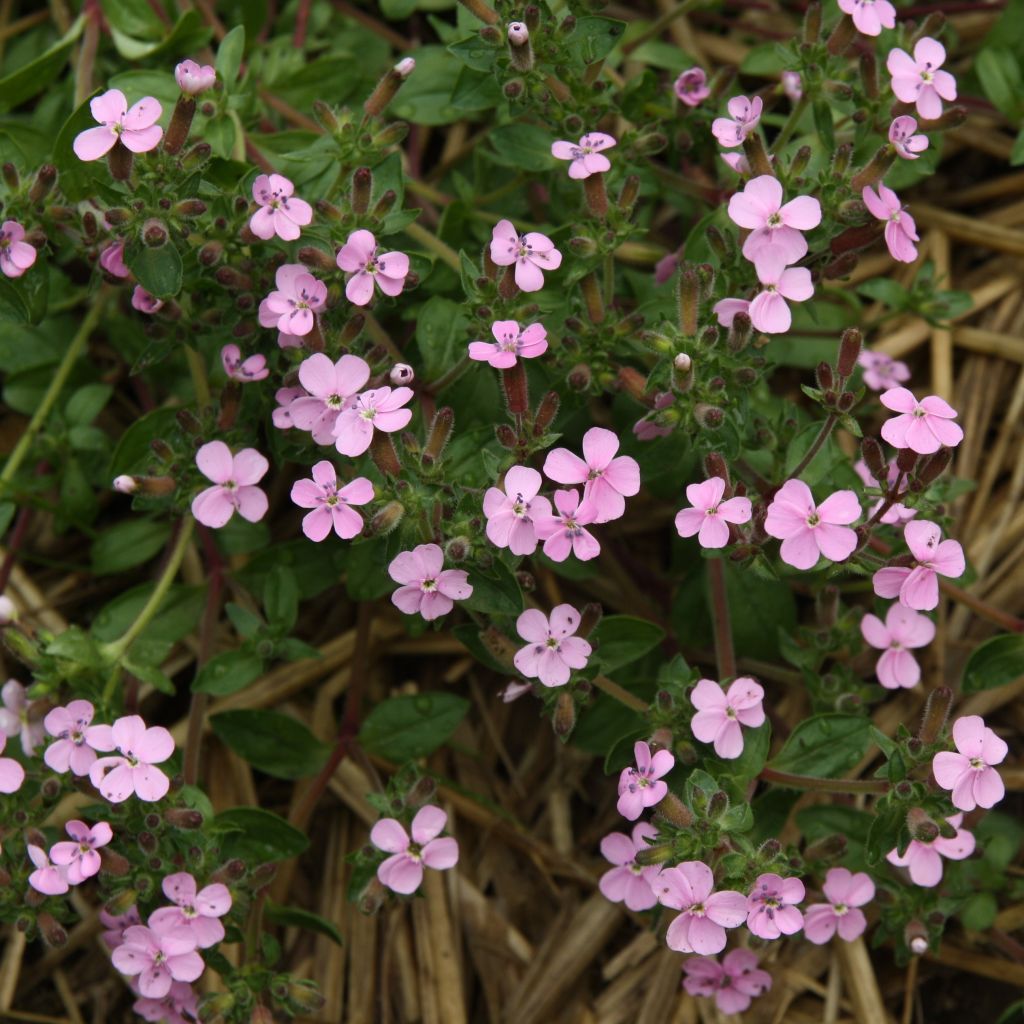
(443, 252)
(724, 653)
(623, 696)
(790, 126)
(823, 435)
(809, 782)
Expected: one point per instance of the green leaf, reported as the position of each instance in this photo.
(150, 674)
(441, 329)
(258, 836)
(281, 597)
(996, 662)
(594, 38)
(276, 744)
(403, 728)
(525, 146)
(158, 270)
(824, 746)
(132, 17)
(1000, 74)
(979, 912)
(823, 124)
(827, 458)
(229, 56)
(32, 78)
(475, 53)
(620, 639)
(188, 34)
(178, 615)
(87, 403)
(495, 592)
(302, 919)
(133, 449)
(227, 673)
(127, 544)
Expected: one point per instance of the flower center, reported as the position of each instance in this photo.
(730, 713)
(334, 401)
(978, 764)
(840, 909)
(774, 221)
(331, 500)
(813, 520)
(698, 910)
(519, 507)
(428, 585)
(551, 643)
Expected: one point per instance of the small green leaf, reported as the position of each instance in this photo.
(158, 270)
(620, 639)
(441, 335)
(594, 38)
(32, 78)
(525, 146)
(258, 836)
(495, 592)
(276, 744)
(87, 403)
(229, 56)
(281, 597)
(996, 662)
(824, 746)
(227, 673)
(403, 728)
(127, 544)
(302, 919)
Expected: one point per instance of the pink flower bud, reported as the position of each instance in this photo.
(402, 373)
(125, 484)
(405, 67)
(193, 78)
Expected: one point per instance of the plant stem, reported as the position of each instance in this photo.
(197, 370)
(609, 280)
(620, 694)
(449, 376)
(823, 435)
(824, 785)
(724, 653)
(442, 251)
(790, 126)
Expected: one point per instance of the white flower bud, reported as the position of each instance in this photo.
(125, 484)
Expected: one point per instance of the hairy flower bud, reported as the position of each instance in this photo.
(440, 432)
(154, 233)
(828, 848)
(931, 467)
(590, 616)
(46, 178)
(387, 88)
(189, 208)
(739, 333)
(906, 460)
(506, 436)
(846, 401)
(874, 458)
(579, 377)
(812, 22)
(53, 933)
(849, 349)
(823, 376)
(386, 519)
(688, 298)
(672, 809)
(920, 826)
(183, 817)
(519, 49)
(936, 711)
(545, 414)
(709, 417)
(362, 186)
(915, 935)
(564, 718)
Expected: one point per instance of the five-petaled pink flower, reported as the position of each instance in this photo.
(376, 409)
(607, 479)
(12, 775)
(136, 129)
(808, 531)
(586, 155)
(691, 87)
(234, 489)
(768, 310)
(112, 260)
(402, 872)
(246, 370)
(900, 229)
(16, 255)
(709, 516)
(908, 146)
(771, 909)
(532, 254)
(331, 505)
(870, 16)
(846, 893)
(426, 588)
(179, 1006)
(733, 983)
(744, 115)
(70, 751)
(330, 387)
(16, 717)
(280, 212)
(565, 529)
(79, 858)
(918, 79)
(359, 257)
(281, 417)
(700, 928)
(551, 651)
(629, 882)
(642, 786)
(775, 227)
(969, 772)
(903, 630)
(158, 958)
(897, 513)
(882, 372)
(510, 342)
(512, 513)
(923, 426)
(195, 909)
(49, 879)
(116, 925)
(133, 769)
(924, 859)
(193, 78)
(720, 714)
(917, 586)
(291, 306)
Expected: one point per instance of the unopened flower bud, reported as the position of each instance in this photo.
(183, 817)
(46, 178)
(915, 935)
(388, 87)
(932, 26)
(590, 616)
(232, 279)
(231, 871)
(526, 580)
(936, 711)
(513, 88)
(628, 193)
(303, 995)
(841, 160)
(952, 117)
(579, 377)
(849, 349)
(739, 333)
(440, 432)
(812, 22)
(582, 245)
(846, 401)
(920, 826)
(710, 417)
(125, 484)
(718, 805)
(841, 37)
(506, 436)
(545, 414)
(672, 809)
(874, 458)
(823, 376)
(52, 932)
(688, 298)
(564, 719)
(650, 143)
(828, 848)
(154, 233)
(458, 549)
(362, 186)
(189, 208)
(386, 519)
(931, 467)
(906, 460)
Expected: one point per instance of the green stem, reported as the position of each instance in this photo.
(443, 252)
(724, 653)
(790, 126)
(623, 696)
(197, 370)
(609, 280)
(823, 435)
(824, 785)
(449, 376)
(660, 24)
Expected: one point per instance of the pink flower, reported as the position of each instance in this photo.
(197, 911)
(16, 255)
(49, 879)
(79, 858)
(359, 257)
(918, 79)
(281, 213)
(808, 530)
(923, 426)
(739, 163)
(425, 587)
(629, 882)
(586, 156)
(709, 514)
(896, 513)
(532, 254)
(641, 786)
(234, 478)
(900, 229)
(743, 118)
(332, 508)
(720, 715)
(132, 771)
(179, 1006)
(775, 227)
(144, 302)
(768, 310)
(158, 958)
(281, 417)
(903, 629)
(771, 909)
(882, 372)
(918, 587)
(511, 513)
(252, 369)
(401, 373)
(607, 480)
(377, 409)
(551, 650)
(726, 310)
(291, 307)
(513, 690)
(70, 751)
(193, 78)
(968, 773)
(112, 260)
(734, 982)
(924, 859)
(15, 717)
(12, 775)
(510, 342)
(870, 16)
(792, 85)
(904, 141)
(691, 87)
(402, 872)
(137, 128)
(700, 928)
(565, 530)
(846, 894)
(116, 926)
(330, 387)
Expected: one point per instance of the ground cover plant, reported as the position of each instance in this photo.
(483, 536)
